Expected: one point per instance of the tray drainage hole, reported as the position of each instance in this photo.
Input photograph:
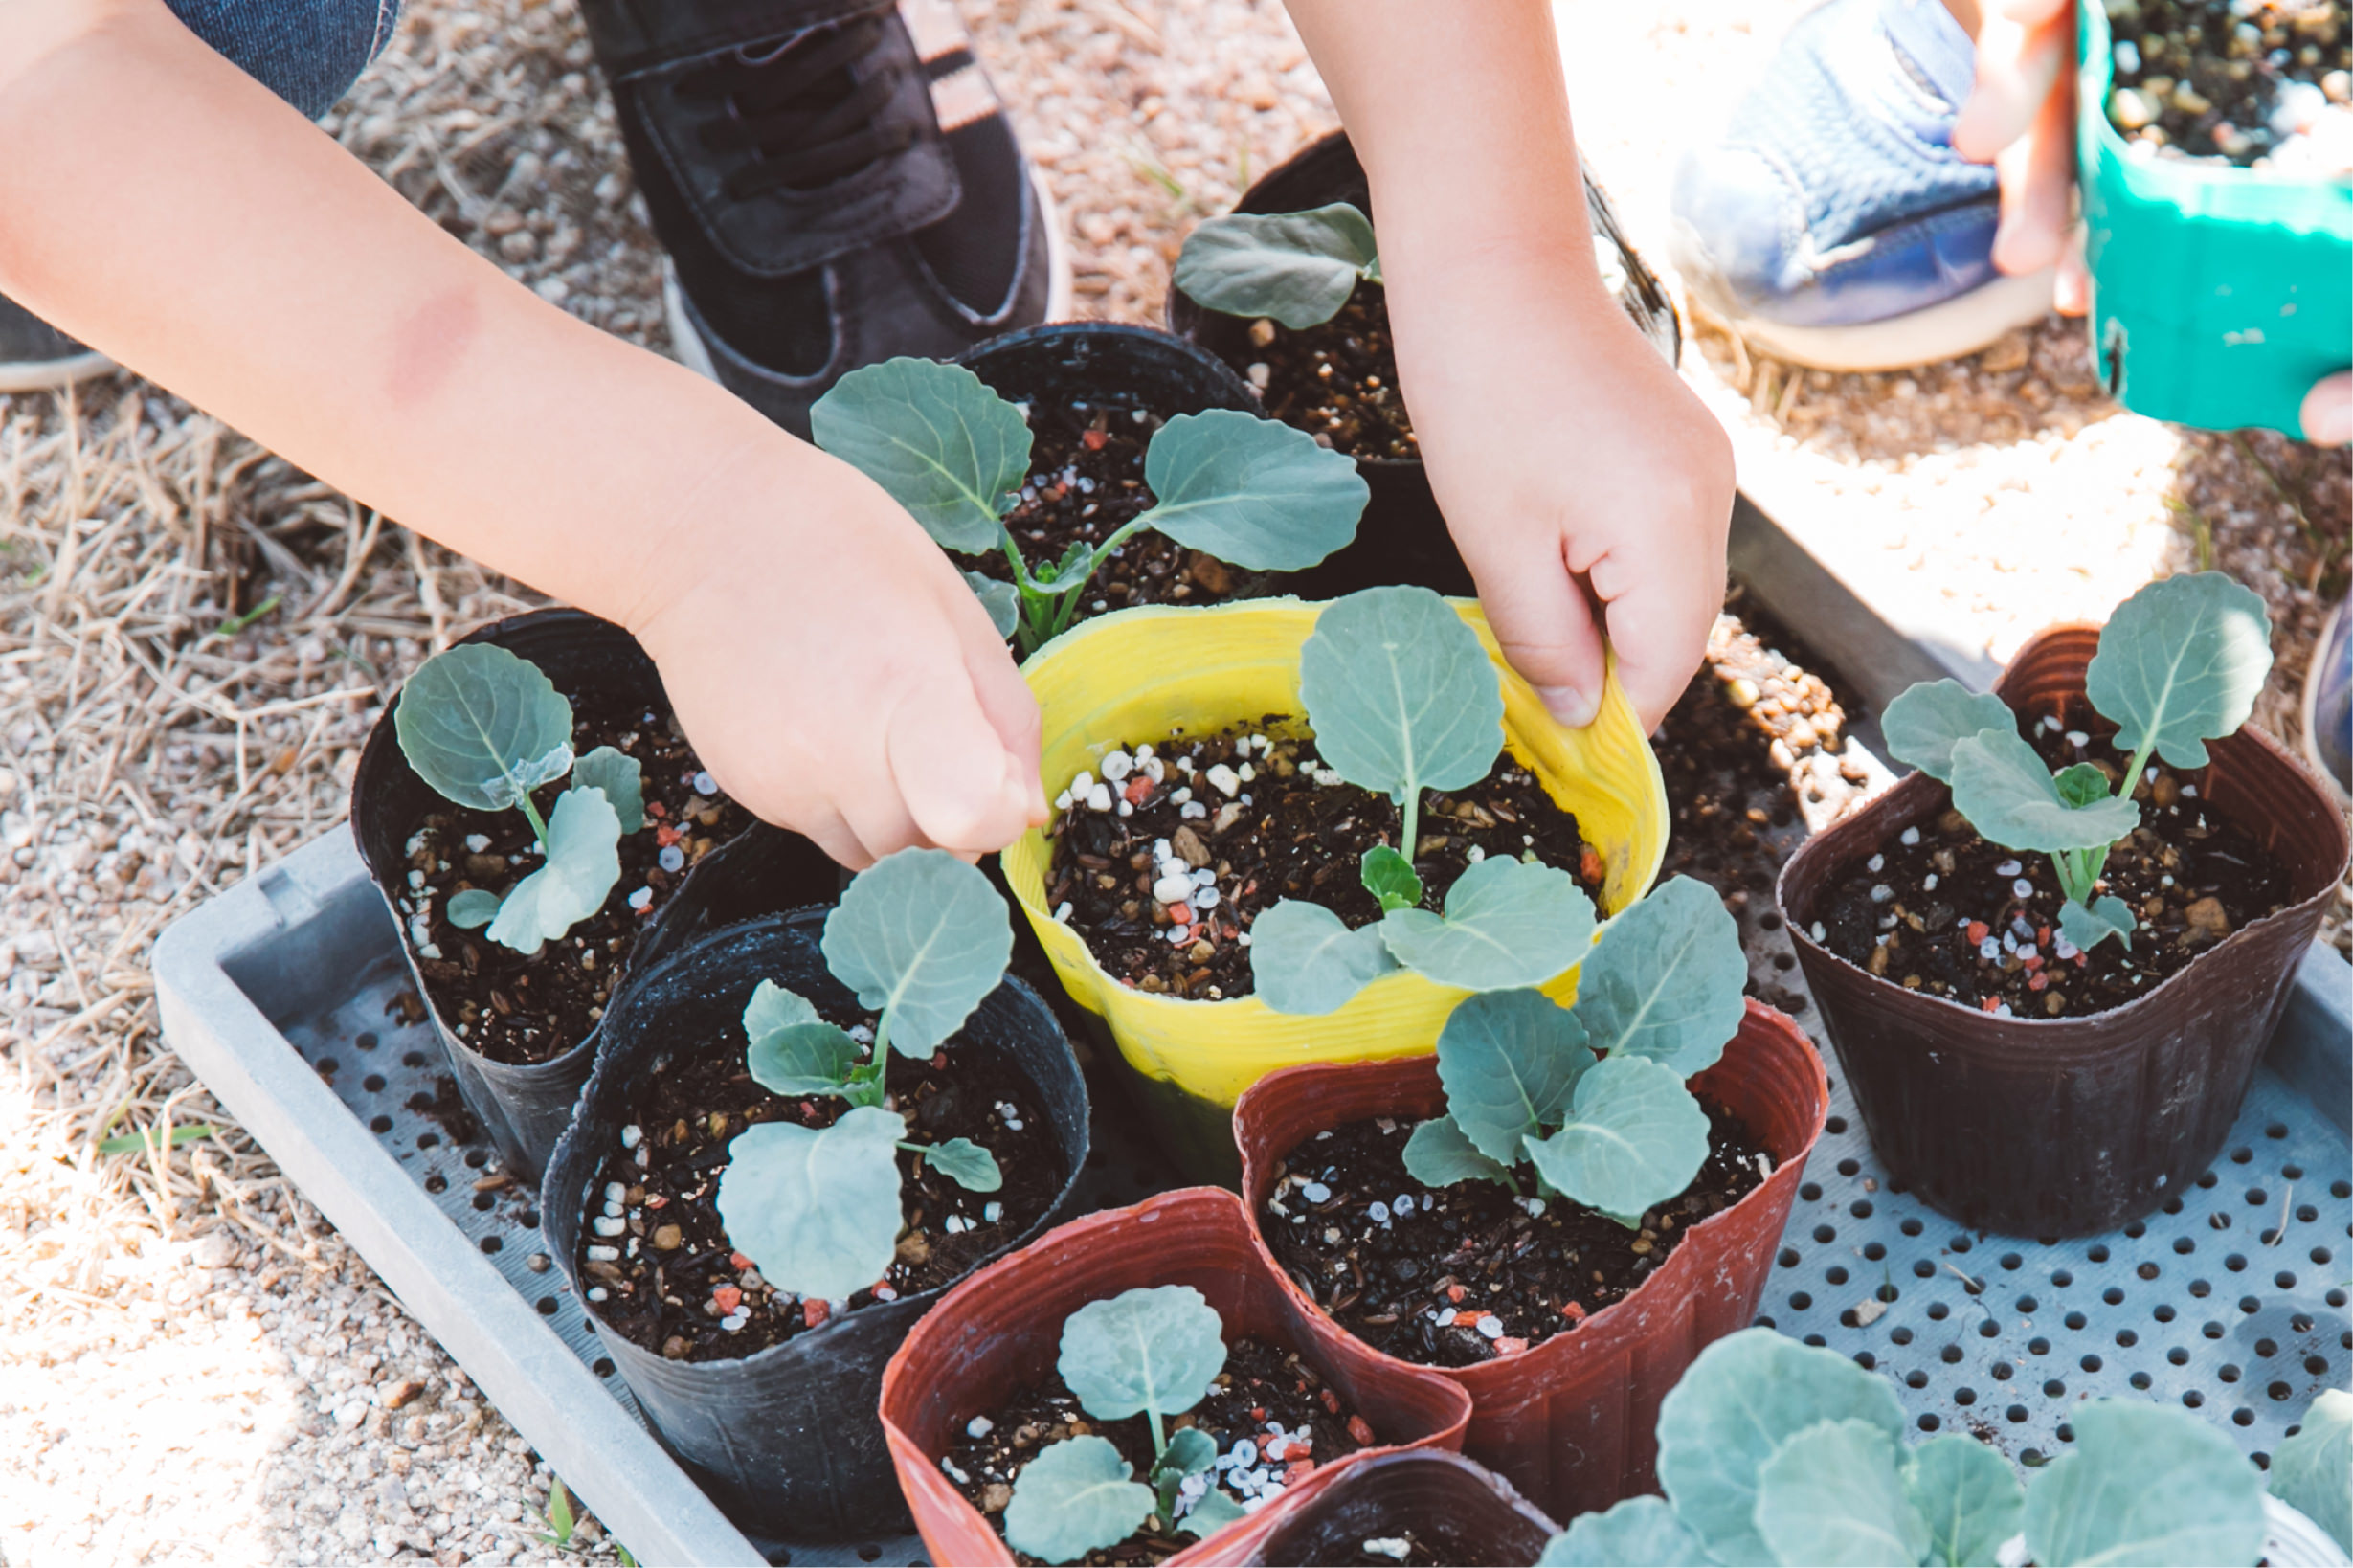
(2016, 1413)
(1836, 1276)
(1874, 1250)
(2066, 1432)
(436, 1183)
(2140, 1381)
(1824, 1235)
(412, 1059)
(2241, 1155)
(1785, 961)
(2178, 1356)
(2317, 1365)
(2091, 1363)
(2193, 1398)
(1769, 920)
(491, 1243)
(2302, 1323)
(379, 1124)
(2320, 1254)
(366, 1039)
(1911, 1227)
(2276, 1130)
(2201, 1288)
(1810, 1191)
(2294, 1172)
(1964, 1395)
(2250, 1305)
(2032, 1458)
(1838, 1124)
(2229, 1374)
(2335, 1297)
(2208, 1179)
(478, 1157)
(2054, 1388)
(603, 1367)
(1850, 1167)
(1899, 1336)
(869, 1554)
(1962, 1243)
(428, 1140)
(2183, 1246)
(1788, 1258)
(2011, 1259)
(2027, 1305)
(1862, 1209)
(1915, 1379)
(2061, 1280)
(2136, 1230)
(482, 1203)
(2075, 1320)
(2126, 1338)
(2242, 1417)
(546, 1306)
(2267, 1348)
(2038, 1345)
(2113, 1296)
(2173, 1205)
(373, 1082)
(328, 1066)
(1866, 1360)
(1929, 1424)
(2284, 1280)
(1800, 1301)
(2256, 1197)
(2098, 1254)
(2341, 1189)
(1950, 1354)
(1938, 1310)
(1989, 1330)
(2279, 1391)
(2212, 1331)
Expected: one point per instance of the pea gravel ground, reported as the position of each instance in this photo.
(194, 637)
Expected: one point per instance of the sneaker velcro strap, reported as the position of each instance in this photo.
(632, 35)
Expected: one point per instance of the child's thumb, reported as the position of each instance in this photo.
(960, 784)
(1545, 626)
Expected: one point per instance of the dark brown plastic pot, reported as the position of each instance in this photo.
(1001, 1331)
(1464, 1512)
(1571, 1422)
(1402, 537)
(763, 870)
(2069, 1126)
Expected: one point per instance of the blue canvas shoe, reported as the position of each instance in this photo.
(2328, 701)
(1831, 223)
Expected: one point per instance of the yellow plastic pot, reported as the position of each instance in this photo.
(1140, 675)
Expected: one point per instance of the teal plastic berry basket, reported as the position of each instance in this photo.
(2219, 295)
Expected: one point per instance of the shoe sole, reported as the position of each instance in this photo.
(53, 374)
(1957, 327)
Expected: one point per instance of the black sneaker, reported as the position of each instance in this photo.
(835, 182)
(35, 356)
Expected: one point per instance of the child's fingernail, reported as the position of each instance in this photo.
(1569, 705)
(2328, 413)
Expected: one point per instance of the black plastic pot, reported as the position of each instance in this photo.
(1404, 537)
(1457, 1509)
(761, 871)
(787, 1440)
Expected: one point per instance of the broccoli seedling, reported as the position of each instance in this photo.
(1157, 1352)
(922, 938)
(484, 727)
(1297, 268)
(2180, 664)
(1251, 492)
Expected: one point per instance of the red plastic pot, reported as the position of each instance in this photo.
(2069, 1126)
(1464, 1512)
(1001, 1331)
(1571, 1422)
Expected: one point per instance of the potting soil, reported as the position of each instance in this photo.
(2258, 83)
(1335, 380)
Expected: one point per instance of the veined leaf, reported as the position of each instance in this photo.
(817, 1211)
(1439, 1156)
(470, 908)
(1211, 1512)
(1510, 1061)
(1305, 959)
(1000, 599)
(1390, 877)
(923, 939)
(1251, 491)
(1831, 1496)
(1401, 694)
(802, 1058)
(2081, 784)
(583, 863)
(2010, 797)
(2107, 917)
(1190, 1451)
(1076, 1496)
(1508, 922)
(1297, 267)
(1665, 980)
(1969, 1496)
(2180, 664)
(483, 726)
(773, 1007)
(2144, 1485)
(2313, 1471)
(1635, 1137)
(1153, 1349)
(1638, 1533)
(1924, 723)
(622, 780)
(967, 1164)
(946, 447)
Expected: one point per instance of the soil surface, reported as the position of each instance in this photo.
(1280, 834)
(1086, 482)
(678, 1284)
(2259, 83)
(1337, 380)
(1944, 911)
(1269, 1408)
(1470, 1273)
(520, 1008)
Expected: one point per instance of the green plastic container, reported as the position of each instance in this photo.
(2219, 295)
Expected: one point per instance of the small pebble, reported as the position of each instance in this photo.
(2007, 868)
(992, 1212)
(597, 1292)
(1910, 836)
(1877, 862)
(642, 900)
(1379, 1212)
(671, 858)
(1492, 1325)
(2022, 888)
(1315, 1192)
(632, 1135)
(980, 1427)
(705, 784)
(1403, 1206)
(1397, 1546)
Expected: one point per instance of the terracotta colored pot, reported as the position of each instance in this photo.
(1001, 1331)
(1463, 1511)
(2069, 1126)
(1571, 1422)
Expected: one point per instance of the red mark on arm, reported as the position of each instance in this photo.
(428, 343)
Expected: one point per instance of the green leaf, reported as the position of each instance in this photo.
(1074, 1497)
(1510, 1061)
(1401, 694)
(1297, 267)
(2081, 784)
(1831, 1496)
(139, 1143)
(1211, 1512)
(2180, 664)
(2312, 1472)
(2010, 797)
(470, 908)
(622, 778)
(1189, 1452)
(1251, 491)
(2107, 917)
(1970, 1497)
(1305, 959)
(1925, 722)
(773, 1007)
(583, 863)
(1439, 1156)
(803, 1058)
(1390, 877)
(1000, 599)
(817, 1211)
(1639, 1533)
(923, 939)
(1153, 1349)
(946, 447)
(966, 1163)
(1743, 1398)
(483, 726)
(1665, 980)
(1508, 922)
(2144, 1485)
(1635, 1137)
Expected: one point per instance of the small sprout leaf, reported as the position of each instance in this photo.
(622, 780)
(773, 1007)
(816, 1211)
(1189, 1452)
(2081, 784)
(803, 1058)
(1639, 1533)
(946, 447)
(483, 726)
(1635, 1137)
(1211, 1512)
(1510, 1061)
(1000, 599)
(1508, 922)
(1389, 877)
(1251, 491)
(140, 1143)
(1305, 958)
(1665, 980)
(923, 939)
(2144, 1484)
(1154, 1348)
(1831, 1495)
(967, 1164)
(2107, 917)
(472, 907)
(2010, 797)
(2180, 664)
(2313, 1471)
(583, 863)
(1401, 694)
(1439, 1156)
(1925, 722)
(1297, 267)
(1075, 1497)
(1969, 1497)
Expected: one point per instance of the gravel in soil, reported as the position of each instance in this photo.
(1273, 1419)
(2259, 83)
(1944, 911)
(675, 1285)
(1164, 863)
(1470, 1273)
(1337, 380)
(520, 1008)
